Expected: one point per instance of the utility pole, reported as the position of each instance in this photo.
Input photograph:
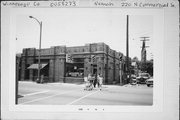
(17, 76)
(127, 44)
(127, 49)
(90, 59)
(143, 52)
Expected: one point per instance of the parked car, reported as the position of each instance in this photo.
(149, 82)
(142, 77)
(74, 74)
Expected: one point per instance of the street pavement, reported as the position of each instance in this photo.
(31, 93)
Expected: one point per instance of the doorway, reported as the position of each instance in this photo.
(94, 69)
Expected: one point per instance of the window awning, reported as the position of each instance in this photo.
(35, 66)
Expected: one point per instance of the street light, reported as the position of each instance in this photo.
(39, 60)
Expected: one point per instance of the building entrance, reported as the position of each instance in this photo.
(94, 70)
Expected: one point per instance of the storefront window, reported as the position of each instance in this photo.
(76, 68)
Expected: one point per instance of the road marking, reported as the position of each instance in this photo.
(82, 97)
(46, 97)
(36, 93)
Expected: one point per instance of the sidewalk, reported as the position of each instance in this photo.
(64, 84)
(83, 85)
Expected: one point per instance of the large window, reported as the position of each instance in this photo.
(75, 68)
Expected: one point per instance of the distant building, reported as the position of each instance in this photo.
(72, 64)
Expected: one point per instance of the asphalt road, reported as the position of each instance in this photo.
(32, 93)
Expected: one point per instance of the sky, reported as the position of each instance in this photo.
(77, 27)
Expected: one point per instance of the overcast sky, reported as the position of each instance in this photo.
(76, 27)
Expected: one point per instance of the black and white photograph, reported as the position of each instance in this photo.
(84, 57)
(111, 59)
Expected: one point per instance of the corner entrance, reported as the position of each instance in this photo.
(94, 69)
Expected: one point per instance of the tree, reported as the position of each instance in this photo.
(134, 65)
(147, 67)
(135, 59)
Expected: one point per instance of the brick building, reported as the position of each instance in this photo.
(71, 64)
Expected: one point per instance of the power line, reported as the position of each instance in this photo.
(144, 41)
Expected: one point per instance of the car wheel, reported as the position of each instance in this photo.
(148, 85)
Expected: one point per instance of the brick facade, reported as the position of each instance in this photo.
(106, 62)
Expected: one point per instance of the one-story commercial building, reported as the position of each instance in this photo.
(71, 64)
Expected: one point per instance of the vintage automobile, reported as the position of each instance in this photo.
(74, 74)
(149, 82)
(142, 77)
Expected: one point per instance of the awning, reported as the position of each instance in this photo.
(35, 66)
